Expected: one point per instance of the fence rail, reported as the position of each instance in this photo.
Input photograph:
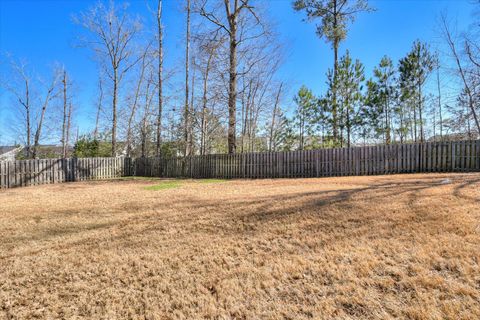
(458, 156)
(23, 173)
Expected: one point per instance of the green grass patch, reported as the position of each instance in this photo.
(211, 180)
(164, 186)
(137, 178)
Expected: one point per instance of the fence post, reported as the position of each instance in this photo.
(461, 156)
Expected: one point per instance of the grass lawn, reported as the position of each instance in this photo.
(171, 184)
(378, 247)
(164, 185)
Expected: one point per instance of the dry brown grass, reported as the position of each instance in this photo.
(345, 248)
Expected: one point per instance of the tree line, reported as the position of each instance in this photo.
(231, 98)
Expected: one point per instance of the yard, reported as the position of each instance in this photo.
(377, 247)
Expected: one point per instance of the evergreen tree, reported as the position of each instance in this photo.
(335, 15)
(287, 138)
(371, 112)
(350, 85)
(381, 94)
(324, 122)
(305, 115)
(414, 70)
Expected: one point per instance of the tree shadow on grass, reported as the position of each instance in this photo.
(44, 234)
(458, 191)
(340, 214)
(252, 216)
(354, 208)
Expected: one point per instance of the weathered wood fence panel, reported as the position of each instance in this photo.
(23, 173)
(457, 156)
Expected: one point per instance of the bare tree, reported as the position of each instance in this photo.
(208, 48)
(462, 72)
(99, 108)
(272, 139)
(233, 11)
(69, 124)
(192, 110)
(187, 113)
(50, 94)
(136, 96)
(65, 102)
(258, 91)
(160, 77)
(26, 90)
(145, 123)
(439, 94)
(66, 115)
(23, 96)
(112, 32)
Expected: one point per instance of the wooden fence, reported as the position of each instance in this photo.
(23, 173)
(458, 156)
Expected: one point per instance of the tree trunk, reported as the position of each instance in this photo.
(204, 107)
(336, 43)
(272, 126)
(144, 142)
(244, 116)
(187, 108)
(134, 107)
(192, 111)
(160, 84)
(144, 126)
(302, 124)
(348, 125)
(401, 126)
(415, 123)
(462, 74)
(334, 94)
(67, 130)
(440, 118)
(114, 114)
(420, 112)
(232, 89)
(388, 134)
(64, 127)
(29, 126)
(38, 132)
(99, 108)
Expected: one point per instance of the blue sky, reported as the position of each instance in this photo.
(42, 32)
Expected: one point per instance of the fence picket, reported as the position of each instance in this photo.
(460, 156)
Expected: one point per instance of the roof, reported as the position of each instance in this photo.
(5, 149)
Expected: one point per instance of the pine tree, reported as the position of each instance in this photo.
(305, 115)
(381, 94)
(414, 71)
(335, 16)
(350, 85)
